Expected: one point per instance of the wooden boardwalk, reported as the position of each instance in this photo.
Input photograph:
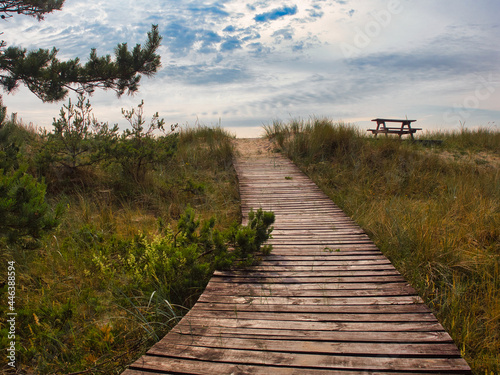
(325, 301)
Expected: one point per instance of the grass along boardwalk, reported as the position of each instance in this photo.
(325, 301)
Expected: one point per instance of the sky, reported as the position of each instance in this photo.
(242, 64)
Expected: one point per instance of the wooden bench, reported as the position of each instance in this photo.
(405, 127)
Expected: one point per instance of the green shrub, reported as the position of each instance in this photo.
(180, 262)
(23, 210)
(140, 146)
(9, 150)
(15, 140)
(78, 140)
(24, 213)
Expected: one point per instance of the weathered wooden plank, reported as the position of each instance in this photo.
(408, 350)
(323, 263)
(305, 360)
(338, 267)
(156, 365)
(293, 250)
(331, 258)
(317, 232)
(305, 196)
(325, 258)
(325, 336)
(319, 227)
(424, 326)
(235, 280)
(301, 249)
(332, 261)
(241, 287)
(333, 236)
(291, 197)
(332, 244)
(339, 301)
(313, 316)
(288, 198)
(314, 288)
(286, 201)
(306, 219)
(290, 209)
(368, 310)
(278, 186)
(289, 291)
(328, 256)
(325, 274)
(318, 250)
(341, 239)
(328, 223)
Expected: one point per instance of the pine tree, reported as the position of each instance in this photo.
(23, 210)
(50, 79)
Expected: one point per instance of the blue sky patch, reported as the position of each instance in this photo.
(230, 44)
(216, 9)
(229, 29)
(276, 13)
(178, 37)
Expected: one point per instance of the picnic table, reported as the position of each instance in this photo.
(405, 127)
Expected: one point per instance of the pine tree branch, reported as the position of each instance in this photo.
(50, 79)
(33, 8)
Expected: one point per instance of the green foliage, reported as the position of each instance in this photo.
(194, 187)
(78, 139)
(180, 262)
(141, 145)
(23, 210)
(248, 240)
(80, 143)
(50, 79)
(24, 213)
(33, 8)
(9, 148)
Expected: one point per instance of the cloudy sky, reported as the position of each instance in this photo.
(244, 64)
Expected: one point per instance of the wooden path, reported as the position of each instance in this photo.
(325, 301)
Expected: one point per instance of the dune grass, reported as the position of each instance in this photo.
(433, 211)
(89, 296)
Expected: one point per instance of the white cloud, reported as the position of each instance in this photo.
(422, 58)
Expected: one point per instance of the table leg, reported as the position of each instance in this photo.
(409, 129)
